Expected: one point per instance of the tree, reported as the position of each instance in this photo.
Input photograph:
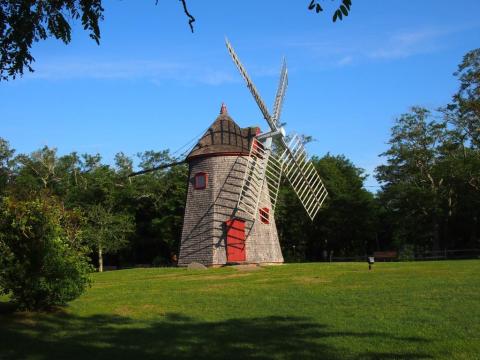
(464, 112)
(461, 154)
(344, 226)
(24, 22)
(41, 264)
(107, 231)
(411, 180)
(159, 200)
(6, 154)
(101, 196)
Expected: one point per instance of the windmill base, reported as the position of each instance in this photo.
(212, 220)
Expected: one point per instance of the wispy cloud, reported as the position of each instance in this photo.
(409, 43)
(346, 60)
(401, 44)
(156, 72)
(101, 69)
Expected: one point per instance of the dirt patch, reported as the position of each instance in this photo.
(249, 267)
(309, 280)
(124, 311)
(223, 277)
(148, 307)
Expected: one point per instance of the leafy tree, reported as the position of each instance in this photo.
(159, 200)
(464, 112)
(461, 155)
(344, 226)
(107, 231)
(41, 264)
(27, 21)
(412, 182)
(6, 154)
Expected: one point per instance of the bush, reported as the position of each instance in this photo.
(407, 253)
(40, 266)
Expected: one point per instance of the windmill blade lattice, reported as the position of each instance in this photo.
(261, 181)
(282, 87)
(300, 172)
(251, 86)
(303, 176)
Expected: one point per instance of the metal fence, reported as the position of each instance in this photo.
(449, 254)
(420, 256)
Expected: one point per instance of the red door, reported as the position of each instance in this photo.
(235, 240)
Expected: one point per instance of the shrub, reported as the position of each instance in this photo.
(407, 253)
(40, 267)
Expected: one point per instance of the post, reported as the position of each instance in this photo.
(100, 259)
(371, 261)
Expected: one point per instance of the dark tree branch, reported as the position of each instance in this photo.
(160, 167)
(191, 18)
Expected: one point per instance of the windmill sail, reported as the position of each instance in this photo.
(303, 176)
(251, 86)
(261, 181)
(266, 167)
(282, 87)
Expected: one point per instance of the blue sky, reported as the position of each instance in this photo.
(151, 84)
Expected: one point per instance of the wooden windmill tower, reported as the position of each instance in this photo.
(233, 186)
(234, 178)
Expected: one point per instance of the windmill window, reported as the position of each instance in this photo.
(200, 181)
(265, 215)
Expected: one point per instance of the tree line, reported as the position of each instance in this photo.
(73, 210)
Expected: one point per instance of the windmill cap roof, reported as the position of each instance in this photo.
(224, 137)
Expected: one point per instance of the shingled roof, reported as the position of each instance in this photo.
(224, 137)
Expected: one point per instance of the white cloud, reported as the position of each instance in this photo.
(95, 69)
(346, 60)
(351, 49)
(408, 43)
(155, 71)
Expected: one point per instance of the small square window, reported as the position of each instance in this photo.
(265, 215)
(200, 181)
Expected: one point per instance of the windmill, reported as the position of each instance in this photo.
(233, 185)
(289, 159)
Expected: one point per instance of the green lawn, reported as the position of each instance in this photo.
(421, 310)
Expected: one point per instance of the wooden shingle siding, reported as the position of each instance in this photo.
(207, 210)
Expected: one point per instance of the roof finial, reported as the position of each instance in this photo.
(223, 109)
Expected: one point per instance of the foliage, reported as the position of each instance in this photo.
(412, 182)
(144, 213)
(41, 264)
(106, 231)
(431, 194)
(407, 253)
(159, 199)
(342, 10)
(464, 111)
(24, 22)
(6, 154)
(345, 226)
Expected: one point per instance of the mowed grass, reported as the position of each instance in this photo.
(421, 310)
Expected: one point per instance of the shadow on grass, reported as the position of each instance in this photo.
(65, 336)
